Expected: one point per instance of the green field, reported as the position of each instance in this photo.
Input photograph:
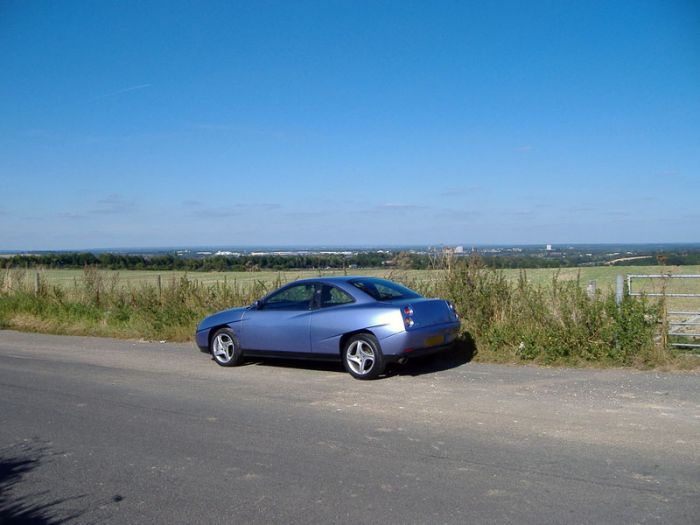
(603, 275)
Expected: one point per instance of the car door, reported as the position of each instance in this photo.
(282, 321)
(330, 320)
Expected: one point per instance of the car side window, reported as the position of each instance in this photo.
(385, 292)
(333, 296)
(296, 297)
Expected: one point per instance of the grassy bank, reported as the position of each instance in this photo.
(101, 304)
(511, 317)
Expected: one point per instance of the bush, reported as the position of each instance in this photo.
(558, 323)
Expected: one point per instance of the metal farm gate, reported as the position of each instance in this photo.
(683, 309)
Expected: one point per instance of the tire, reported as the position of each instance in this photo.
(225, 348)
(362, 357)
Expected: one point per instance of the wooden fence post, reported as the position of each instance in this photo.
(591, 290)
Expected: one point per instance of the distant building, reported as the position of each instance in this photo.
(549, 247)
(455, 250)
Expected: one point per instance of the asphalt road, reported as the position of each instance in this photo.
(105, 431)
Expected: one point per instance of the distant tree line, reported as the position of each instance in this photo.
(399, 260)
(115, 261)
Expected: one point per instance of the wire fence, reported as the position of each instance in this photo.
(15, 279)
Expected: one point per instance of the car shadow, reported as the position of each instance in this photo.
(463, 351)
(321, 366)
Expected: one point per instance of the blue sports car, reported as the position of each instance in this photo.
(365, 322)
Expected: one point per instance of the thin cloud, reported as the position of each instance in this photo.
(113, 204)
(214, 213)
(268, 206)
(617, 213)
(458, 215)
(524, 149)
(519, 213)
(400, 206)
(580, 209)
(307, 214)
(123, 91)
(200, 210)
(69, 215)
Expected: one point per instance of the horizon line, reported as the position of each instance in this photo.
(319, 247)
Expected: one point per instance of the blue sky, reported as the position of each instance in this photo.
(344, 123)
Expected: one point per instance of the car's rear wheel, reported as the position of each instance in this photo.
(362, 357)
(225, 348)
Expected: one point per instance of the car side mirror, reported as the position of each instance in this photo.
(257, 305)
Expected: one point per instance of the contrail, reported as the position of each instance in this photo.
(122, 91)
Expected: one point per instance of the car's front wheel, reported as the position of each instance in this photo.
(225, 349)
(362, 357)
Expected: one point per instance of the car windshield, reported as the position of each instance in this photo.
(383, 290)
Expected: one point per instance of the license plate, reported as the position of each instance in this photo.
(435, 340)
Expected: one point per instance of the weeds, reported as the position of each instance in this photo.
(509, 321)
(558, 323)
(97, 305)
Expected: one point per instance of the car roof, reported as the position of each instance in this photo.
(333, 279)
(341, 281)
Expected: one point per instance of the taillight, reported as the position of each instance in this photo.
(407, 312)
(452, 307)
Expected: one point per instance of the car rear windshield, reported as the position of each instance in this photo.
(383, 290)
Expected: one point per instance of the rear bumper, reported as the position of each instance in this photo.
(419, 342)
(417, 354)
